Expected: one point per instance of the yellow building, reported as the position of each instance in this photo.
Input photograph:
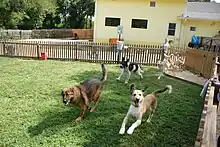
(146, 21)
(201, 19)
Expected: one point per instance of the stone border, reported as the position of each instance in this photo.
(199, 137)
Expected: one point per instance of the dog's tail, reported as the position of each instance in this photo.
(168, 87)
(104, 73)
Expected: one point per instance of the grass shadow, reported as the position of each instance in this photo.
(51, 121)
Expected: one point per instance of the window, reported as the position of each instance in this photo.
(113, 22)
(193, 29)
(172, 29)
(152, 3)
(139, 23)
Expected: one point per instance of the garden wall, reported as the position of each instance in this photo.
(46, 33)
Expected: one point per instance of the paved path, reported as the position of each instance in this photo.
(188, 76)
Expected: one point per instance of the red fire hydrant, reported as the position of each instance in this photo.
(43, 55)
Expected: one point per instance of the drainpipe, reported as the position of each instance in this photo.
(180, 34)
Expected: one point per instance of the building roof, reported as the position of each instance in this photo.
(202, 11)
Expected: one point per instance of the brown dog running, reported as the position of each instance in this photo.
(87, 91)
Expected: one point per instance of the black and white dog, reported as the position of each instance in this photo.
(128, 67)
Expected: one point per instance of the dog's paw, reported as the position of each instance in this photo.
(89, 107)
(122, 131)
(148, 121)
(126, 82)
(130, 131)
(92, 109)
(79, 118)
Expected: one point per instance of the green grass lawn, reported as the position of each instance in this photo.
(32, 112)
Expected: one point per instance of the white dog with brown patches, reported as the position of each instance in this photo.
(140, 104)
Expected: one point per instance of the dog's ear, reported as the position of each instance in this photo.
(132, 88)
(145, 88)
(62, 93)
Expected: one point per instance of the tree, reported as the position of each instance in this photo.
(36, 12)
(24, 14)
(79, 10)
(12, 13)
(30, 14)
(62, 12)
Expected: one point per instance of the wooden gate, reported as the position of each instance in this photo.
(200, 62)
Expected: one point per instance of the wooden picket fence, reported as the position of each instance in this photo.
(200, 62)
(83, 51)
(197, 61)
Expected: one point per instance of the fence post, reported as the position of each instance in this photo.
(119, 56)
(4, 49)
(210, 46)
(218, 66)
(38, 51)
(203, 61)
(20, 33)
(162, 55)
(76, 51)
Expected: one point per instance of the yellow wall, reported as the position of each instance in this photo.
(165, 12)
(204, 28)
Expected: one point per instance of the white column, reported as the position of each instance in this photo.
(182, 33)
